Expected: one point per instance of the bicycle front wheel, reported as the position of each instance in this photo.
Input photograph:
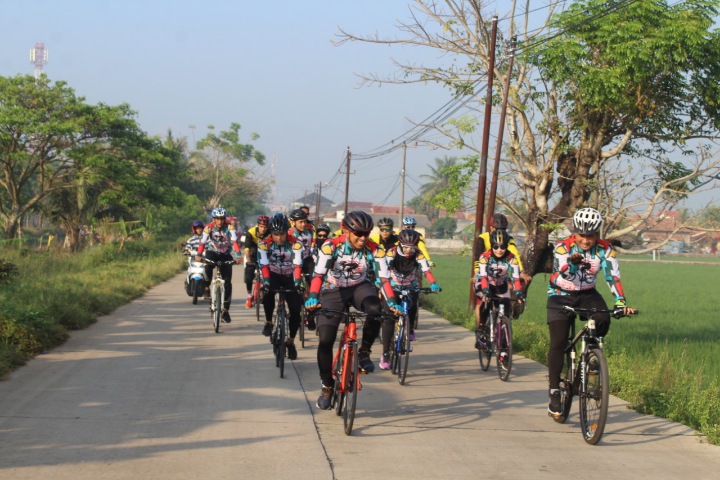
(503, 358)
(256, 298)
(301, 330)
(281, 349)
(594, 396)
(217, 313)
(351, 387)
(338, 393)
(485, 350)
(404, 354)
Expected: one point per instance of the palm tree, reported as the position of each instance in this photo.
(437, 181)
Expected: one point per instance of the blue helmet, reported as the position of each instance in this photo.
(219, 212)
(197, 224)
(409, 220)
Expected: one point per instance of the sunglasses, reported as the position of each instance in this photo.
(499, 247)
(409, 227)
(321, 237)
(384, 229)
(360, 234)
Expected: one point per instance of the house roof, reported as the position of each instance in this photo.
(311, 199)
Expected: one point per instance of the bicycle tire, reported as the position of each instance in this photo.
(351, 388)
(256, 298)
(566, 392)
(404, 355)
(218, 309)
(282, 349)
(504, 344)
(196, 290)
(394, 357)
(485, 352)
(338, 395)
(301, 329)
(594, 397)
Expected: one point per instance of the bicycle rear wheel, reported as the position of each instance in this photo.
(566, 392)
(594, 396)
(218, 309)
(503, 358)
(404, 355)
(351, 388)
(485, 350)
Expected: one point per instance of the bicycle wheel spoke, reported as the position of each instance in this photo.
(594, 396)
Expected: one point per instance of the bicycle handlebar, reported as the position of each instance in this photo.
(588, 312)
(218, 262)
(416, 289)
(349, 315)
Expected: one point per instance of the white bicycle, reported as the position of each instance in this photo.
(217, 292)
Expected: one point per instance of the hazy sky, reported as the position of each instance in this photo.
(268, 65)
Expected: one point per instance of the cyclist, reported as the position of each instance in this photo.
(220, 239)
(386, 236)
(192, 243)
(403, 261)
(500, 222)
(498, 268)
(252, 238)
(409, 223)
(578, 261)
(280, 260)
(341, 280)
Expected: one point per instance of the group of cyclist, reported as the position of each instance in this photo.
(351, 267)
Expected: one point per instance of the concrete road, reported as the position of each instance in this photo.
(152, 392)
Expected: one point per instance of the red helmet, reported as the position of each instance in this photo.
(409, 238)
(263, 220)
(499, 221)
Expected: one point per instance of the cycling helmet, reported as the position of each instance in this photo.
(298, 214)
(499, 221)
(358, 222)
(499, 237)
(197, 224)
(263, 220)
(409, 238)
(323, 227)
(219, 212)
(587, 221)
(279, 224)
(386, 222)
(409, 221)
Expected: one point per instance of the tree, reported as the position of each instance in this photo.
(624, 83)
(220, 161)
(437, 182)
(443, 228)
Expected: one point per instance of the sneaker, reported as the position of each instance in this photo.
(291, 350)
(364, 360)
(412, 336)
(267, 329)
(554, 407)
(310, 322)
(226, 316)
(325, 398)
(249, 302)
(385, 361)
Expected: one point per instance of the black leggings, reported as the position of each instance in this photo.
(292, 299)
(559, 326)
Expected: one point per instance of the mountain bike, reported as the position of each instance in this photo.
(496, 338)
(217, 292)
(346, 368)
(281, 332)
(589, 378)
(402, 343)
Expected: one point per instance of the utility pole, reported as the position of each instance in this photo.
(347, 178)
(501, 131)
(482, 178)
(318, 217)
(402, 185)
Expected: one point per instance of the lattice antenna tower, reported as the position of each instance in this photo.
(38, 57)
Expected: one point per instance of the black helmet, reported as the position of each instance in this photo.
(279, 224)
(499, 237)
(298, 214)
(323, 227)
(409, 238)
(386, 222)
(358, 222)
(499, 221)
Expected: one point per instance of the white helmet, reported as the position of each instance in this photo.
(587, 221)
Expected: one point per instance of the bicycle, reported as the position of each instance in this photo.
(346, 368)
(496, 338)
(217, 292)
(281, 331)
(402, 344)
(589, 379)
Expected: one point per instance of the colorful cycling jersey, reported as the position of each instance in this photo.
(600, 259)
(252, 240)
(403, 270)
(280, 259)
(306, 237)
(486, 246)
(219, 239)
(498, 272)
(340, 265)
